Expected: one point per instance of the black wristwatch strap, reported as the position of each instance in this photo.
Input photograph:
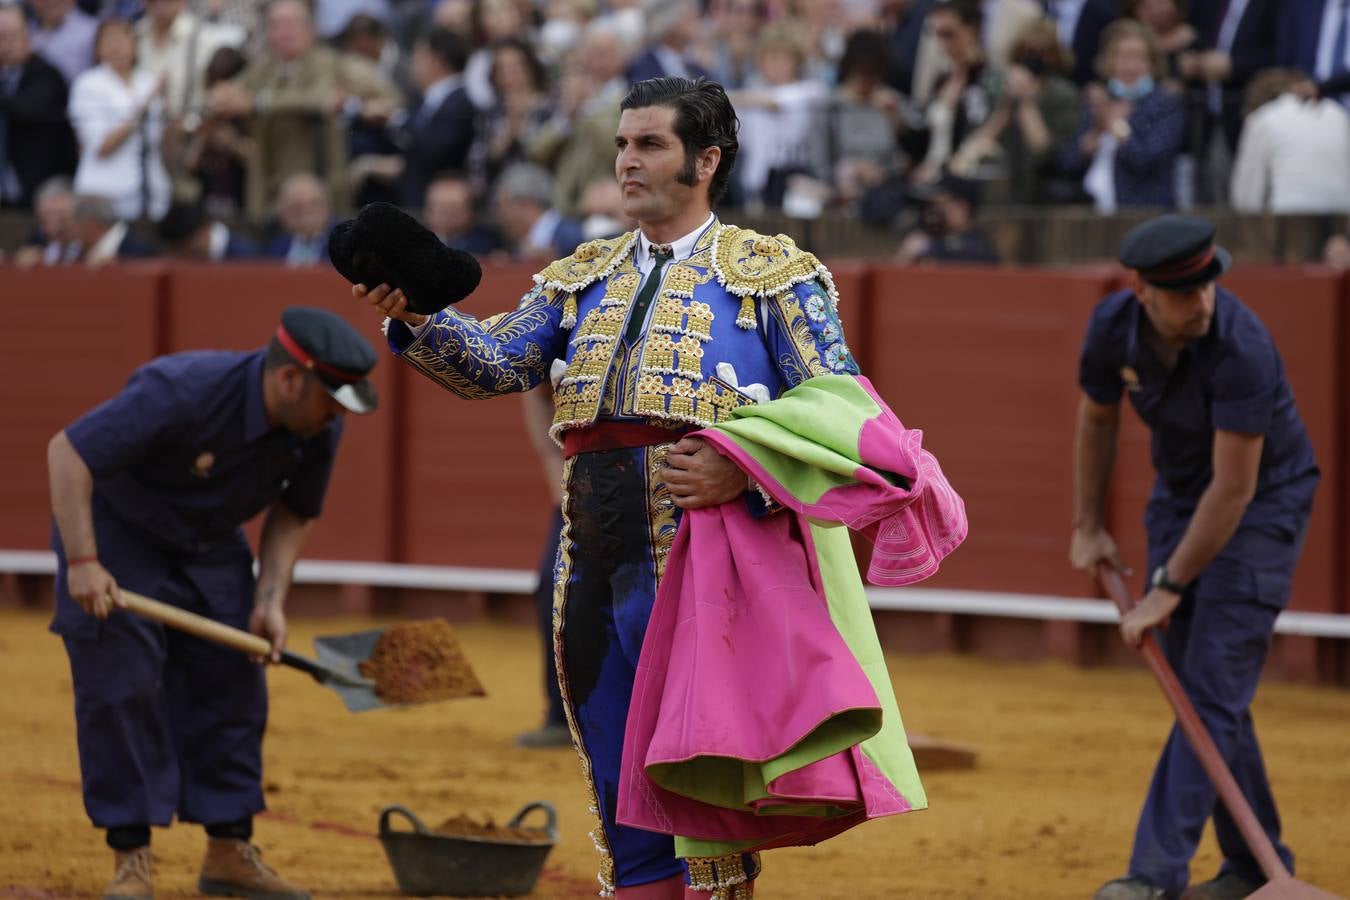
(1160, 580)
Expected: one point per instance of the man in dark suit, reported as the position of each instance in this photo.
(450, 211)
(1080, 24)
(103, 237)
(1314, 37)
(188, 233)
(534, 229)
(306, 218)
(36, 141)
(439, 132)
(1236, 41)
(670, 30)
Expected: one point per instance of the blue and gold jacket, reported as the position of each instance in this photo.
(743, 317)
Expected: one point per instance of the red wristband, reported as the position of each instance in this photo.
(80, 561)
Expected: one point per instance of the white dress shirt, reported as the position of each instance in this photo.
(682, 248)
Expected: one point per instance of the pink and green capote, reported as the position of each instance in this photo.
(762, 713)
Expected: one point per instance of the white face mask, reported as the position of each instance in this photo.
(1122, 91)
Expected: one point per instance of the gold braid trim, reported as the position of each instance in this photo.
(589, 263)
(754, 266)
(728, 877)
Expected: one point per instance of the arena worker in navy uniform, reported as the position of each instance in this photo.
(1226, 522)
(644, 336)
(149, 491)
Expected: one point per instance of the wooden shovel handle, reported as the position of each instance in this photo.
(200, 626)
(1210, 758)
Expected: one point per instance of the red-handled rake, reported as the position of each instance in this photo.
(1280, 885)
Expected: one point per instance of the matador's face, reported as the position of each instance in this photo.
(651, 166)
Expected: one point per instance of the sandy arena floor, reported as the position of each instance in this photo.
(1066, 755)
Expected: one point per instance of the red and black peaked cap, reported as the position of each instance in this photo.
(334, 351)
(1175, 252)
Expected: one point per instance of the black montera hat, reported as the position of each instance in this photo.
(334, 351)
(1174, 252)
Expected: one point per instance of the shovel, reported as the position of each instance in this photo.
(336, 668)
(1280, 885)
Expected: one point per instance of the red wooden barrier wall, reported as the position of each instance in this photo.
(69, 341)
(983, 360)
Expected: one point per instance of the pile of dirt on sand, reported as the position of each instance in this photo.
(416, 662)
(463, 826)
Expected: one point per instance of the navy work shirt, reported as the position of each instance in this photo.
(181, 458)
(1231, 379)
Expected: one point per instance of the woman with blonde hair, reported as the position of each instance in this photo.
(1132, 129)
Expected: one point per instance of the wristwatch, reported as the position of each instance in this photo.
(1121, 129)
(1160, 580)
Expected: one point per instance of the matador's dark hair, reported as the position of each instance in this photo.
(704, 118)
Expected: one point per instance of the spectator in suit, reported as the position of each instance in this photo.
(186, 232)
(451, 213)
(1236, 41)
(53, 241)
(440, 131)
(63, 35)
(36, 142)
(104, 237)
(118, 114)
(533, 229)
(306, 217)
(671, 28)
(300, 98)
(1132, 129)
(1315, 38)
(1294, 154)
(577, 143)
(1080, 24)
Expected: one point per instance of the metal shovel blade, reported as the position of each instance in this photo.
(343, 653)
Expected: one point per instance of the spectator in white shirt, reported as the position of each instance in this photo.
(1294, 153)
(117, 113)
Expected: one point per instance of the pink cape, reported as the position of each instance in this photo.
(750, 614)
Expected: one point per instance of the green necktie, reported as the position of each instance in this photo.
(644, 297)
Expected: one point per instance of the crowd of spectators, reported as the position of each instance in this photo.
(494, 119)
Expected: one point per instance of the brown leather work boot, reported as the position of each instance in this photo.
(235, 869)
(132, 876)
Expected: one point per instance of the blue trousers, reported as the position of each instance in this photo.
(167, 723)
(618, 523)
(1217, 649)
